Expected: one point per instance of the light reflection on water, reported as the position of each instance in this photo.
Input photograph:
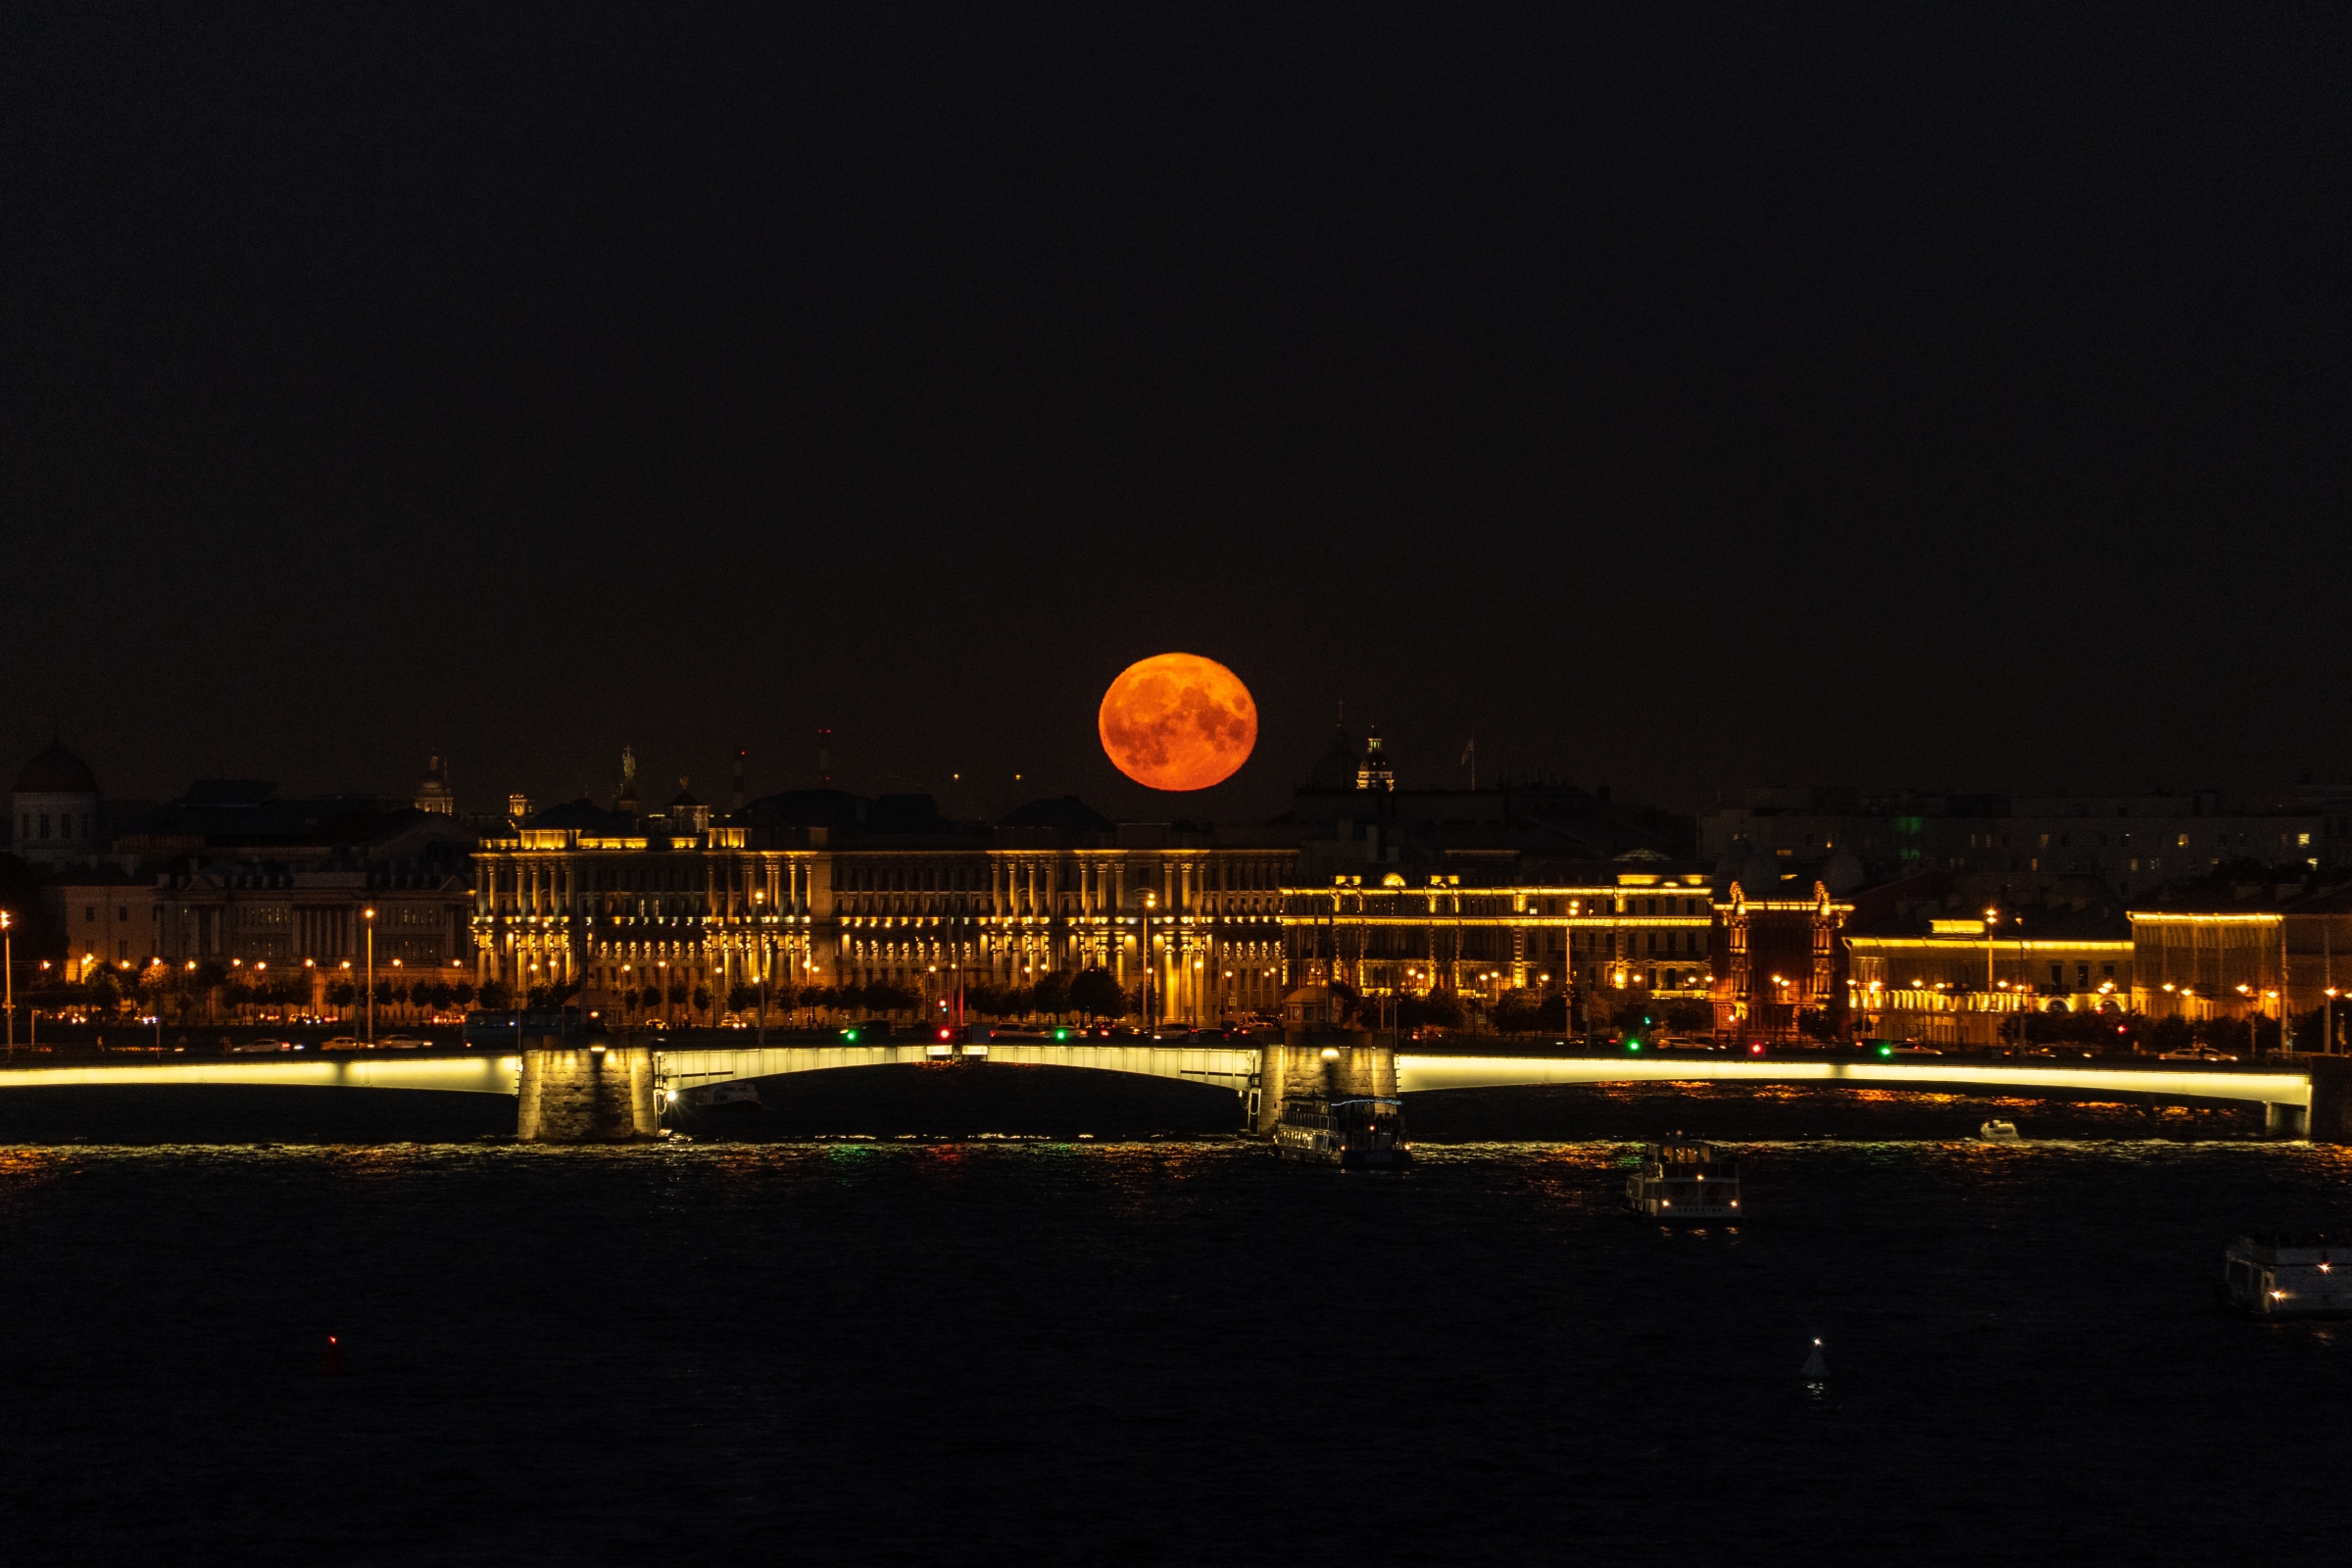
(1149, 1352)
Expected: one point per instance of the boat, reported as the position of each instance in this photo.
(1684, 1183)
(1353, 1133)
(2282, 1274)
(1999, 1132)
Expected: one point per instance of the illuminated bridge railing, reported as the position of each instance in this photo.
(1422, 1074)
(478, 1075)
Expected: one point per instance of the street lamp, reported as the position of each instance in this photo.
(8, 963)
(368, 916)
(1151, 902)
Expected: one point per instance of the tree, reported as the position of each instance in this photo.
(462, 993)
(678, 992)
(701, 1000)
(495, 996)
(1096, 995)
(742, 997)
(1436, 1011)
(1052, 994)
(106, 993)
(341, 993)
(1519, 1009)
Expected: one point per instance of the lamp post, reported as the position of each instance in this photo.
(8, 963)
(1151, 902)
(368, 918)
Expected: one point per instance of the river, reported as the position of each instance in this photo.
(1033, 1351)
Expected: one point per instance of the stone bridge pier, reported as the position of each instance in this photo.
(1342, 1065)
(585, 1092)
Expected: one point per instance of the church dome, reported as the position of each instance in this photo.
(1843, 873)
(57, 771)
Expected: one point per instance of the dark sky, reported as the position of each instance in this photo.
(1953, 397)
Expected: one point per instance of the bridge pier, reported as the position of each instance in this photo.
(2284, 1121)
(1338, 1065)
(2330, 1120)
(586, 1094)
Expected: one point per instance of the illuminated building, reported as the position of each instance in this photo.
(820, 888)
(1780, 948)
(230, 873)
(1495, 925)
(2231, 949)
(1956, 979)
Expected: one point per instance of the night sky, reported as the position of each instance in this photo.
(1944, 396)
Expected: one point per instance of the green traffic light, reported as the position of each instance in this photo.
(1886, 1051)
(1633, 1045)
(1061, 1034)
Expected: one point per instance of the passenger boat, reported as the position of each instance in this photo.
(1684, 1184)
(1360, 1133)
(2280, 1274)
(1999, 1132)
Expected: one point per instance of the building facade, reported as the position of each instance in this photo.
(1194, 917)
(2031, 843)
(1487, 929)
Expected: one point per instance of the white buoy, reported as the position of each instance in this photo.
(1816, 1369)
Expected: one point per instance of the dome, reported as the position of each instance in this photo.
(57, 771)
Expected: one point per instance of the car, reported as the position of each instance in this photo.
(258, 1048)
(403, 1042)
(1915, 1050)
(341, 1043)
(2195, 1053)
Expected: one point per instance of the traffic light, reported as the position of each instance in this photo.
(850, 1035)
(1633, 1045)
(1886, 1050)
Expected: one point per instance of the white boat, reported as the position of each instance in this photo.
(1999, 1132)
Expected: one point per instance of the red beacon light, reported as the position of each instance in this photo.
(1755, 1047)
(946, 1034)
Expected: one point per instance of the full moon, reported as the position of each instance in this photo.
(1178, 721)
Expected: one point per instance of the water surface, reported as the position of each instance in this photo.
(1063, 1353)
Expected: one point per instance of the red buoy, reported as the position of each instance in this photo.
(334, 1358)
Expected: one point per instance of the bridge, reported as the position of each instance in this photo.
(608, 1091)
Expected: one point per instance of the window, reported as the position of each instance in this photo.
(2181, 842)
(44, 824)
(89, 913)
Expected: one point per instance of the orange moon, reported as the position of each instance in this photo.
(1178, 721)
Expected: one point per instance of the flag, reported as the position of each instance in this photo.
(1469, 751)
